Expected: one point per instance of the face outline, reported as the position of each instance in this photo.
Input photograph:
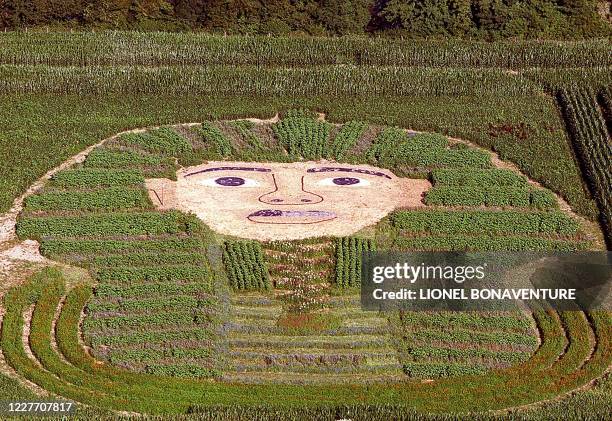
(269, 201)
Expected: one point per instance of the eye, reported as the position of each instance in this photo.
(229, 182)
(344, 181)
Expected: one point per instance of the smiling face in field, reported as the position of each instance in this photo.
(270, 201)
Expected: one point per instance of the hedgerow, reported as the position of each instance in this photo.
(245, 265)
(123, 291)
(147, 304)
(345, 139)
(56, 247)
(485, 222)
(125, 275)
(478, 177)
(394, 148)
(110, 199)
(144, 258)
(385, 145)
(92, 177)
(478, 196)
(101, 225)
(164, 141)
(543, 199)
(349, 251)
(45, 287)
(486, 243)
(303, 136)
(524, 196)
(298, 113)
(213, 137)
(110, 158)
(98, 390)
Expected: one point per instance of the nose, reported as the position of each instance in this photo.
(289, 191)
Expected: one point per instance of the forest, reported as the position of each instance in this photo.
(468, 19)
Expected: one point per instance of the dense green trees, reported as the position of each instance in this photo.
(482, 19)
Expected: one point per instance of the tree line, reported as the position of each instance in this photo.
(473, 19)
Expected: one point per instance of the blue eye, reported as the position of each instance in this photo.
(345, 181)
(230, 181)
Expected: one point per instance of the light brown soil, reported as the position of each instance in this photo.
(285, 188)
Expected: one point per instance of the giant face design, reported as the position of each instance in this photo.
(272, 201)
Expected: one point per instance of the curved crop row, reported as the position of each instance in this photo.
(115, 388)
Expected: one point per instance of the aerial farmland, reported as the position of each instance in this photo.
(187, 219)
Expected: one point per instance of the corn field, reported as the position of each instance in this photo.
(162, 49)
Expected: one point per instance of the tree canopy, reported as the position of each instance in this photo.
(474, 19)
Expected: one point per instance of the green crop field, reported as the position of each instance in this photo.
(172, 317)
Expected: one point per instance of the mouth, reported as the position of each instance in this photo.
(274, 216)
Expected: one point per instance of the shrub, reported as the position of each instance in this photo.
(143, 258)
